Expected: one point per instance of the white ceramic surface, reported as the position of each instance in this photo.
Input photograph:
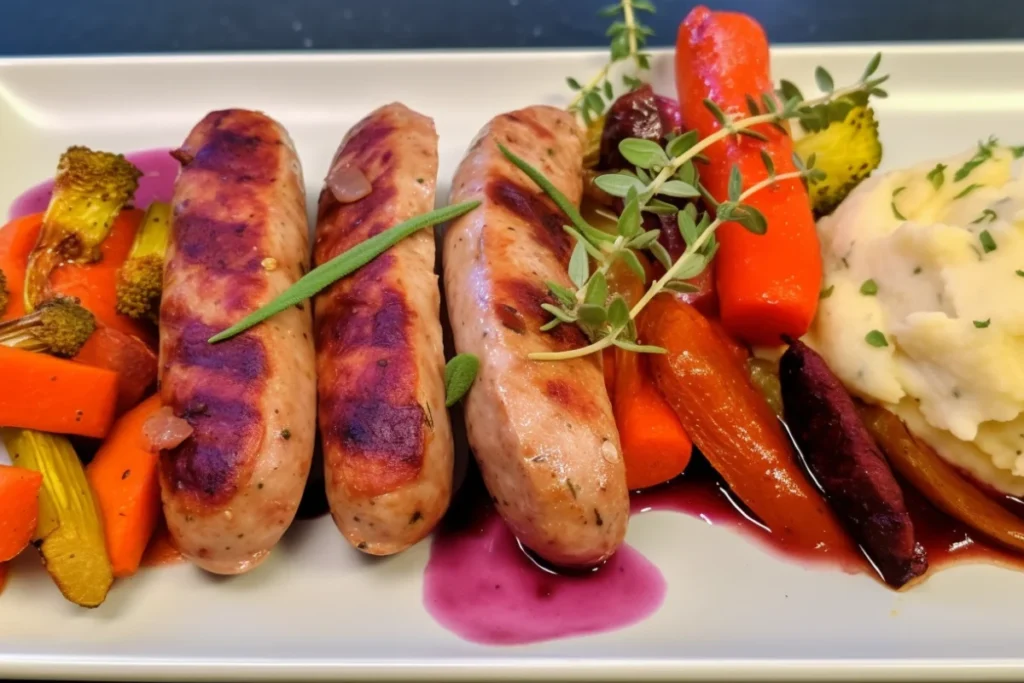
(317, 609)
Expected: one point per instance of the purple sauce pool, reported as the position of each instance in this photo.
(482, 586)
(157, 184)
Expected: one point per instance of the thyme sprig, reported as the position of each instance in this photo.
(661, 176)
(628, 40)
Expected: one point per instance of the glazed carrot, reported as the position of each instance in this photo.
(17, 239)
(655, 446)
(123, 477)
(739, 352)
(131, 358)
(919, 464)
(49, 394)
(19, 509)
(93, 283)
(733, 426)
(768, 285)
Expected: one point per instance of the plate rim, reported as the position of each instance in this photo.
(502, 666)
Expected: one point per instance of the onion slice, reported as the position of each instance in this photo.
(164, 430)
(348, 184)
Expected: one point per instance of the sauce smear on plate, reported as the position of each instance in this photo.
(156, 185)
(481, 585)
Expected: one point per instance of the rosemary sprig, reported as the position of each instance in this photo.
(343, 264)
(628, 39)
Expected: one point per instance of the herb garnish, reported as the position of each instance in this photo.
(967, 190)
(982, 324)
(869, 288)
(987, 215)
(459, 374)
(344, 264)
(876, 339)
(987, 243)
(827, 292)
(937, 175)
(1020, 273)
(670, 172)
(895, 211)
(629, 38)
(984, 153)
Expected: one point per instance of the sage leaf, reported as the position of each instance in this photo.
(459, 374)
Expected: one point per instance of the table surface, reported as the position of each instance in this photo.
(44, 27)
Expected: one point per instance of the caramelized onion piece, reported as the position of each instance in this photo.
(348, 184)
(164, 430)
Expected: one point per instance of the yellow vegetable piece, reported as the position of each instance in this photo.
(69, 527)
(847, 151)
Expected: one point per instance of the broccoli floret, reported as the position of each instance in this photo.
(140, 280)
(59, 327)
(847, 151)
(5, 294)
(89, 190)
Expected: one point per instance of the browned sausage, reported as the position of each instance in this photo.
(847, 463)
(380, 361)
(239, 238)
(542, 432)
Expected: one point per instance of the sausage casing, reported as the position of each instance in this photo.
(543, 432)
(239, 238)
(385, 432)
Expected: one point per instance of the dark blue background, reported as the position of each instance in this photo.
(111, 26)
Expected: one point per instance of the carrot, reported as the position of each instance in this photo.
(49, 394)
(655, 446)
(123, 477)
(131, 358)
(93, 283)
(19, 509)
(767, 285)
(733, 426)
(17, 239)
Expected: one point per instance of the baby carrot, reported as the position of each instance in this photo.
(655, 446)
(123, 477)
(49, 394)
(768, 285)
(733, 426)
(19, 509)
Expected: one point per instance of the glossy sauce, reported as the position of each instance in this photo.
(157, 184)
(481, 585)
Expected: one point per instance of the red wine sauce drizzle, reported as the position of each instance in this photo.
(481, 585)
(157, 184)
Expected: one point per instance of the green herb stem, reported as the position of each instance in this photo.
(598, 78)
(343, 264)
(602, 343)
(733, 127)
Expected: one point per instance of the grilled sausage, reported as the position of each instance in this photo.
(542, 432)
(239, 238)
(848, 464)
(384, 428)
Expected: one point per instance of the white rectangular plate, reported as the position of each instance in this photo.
(317, 609)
